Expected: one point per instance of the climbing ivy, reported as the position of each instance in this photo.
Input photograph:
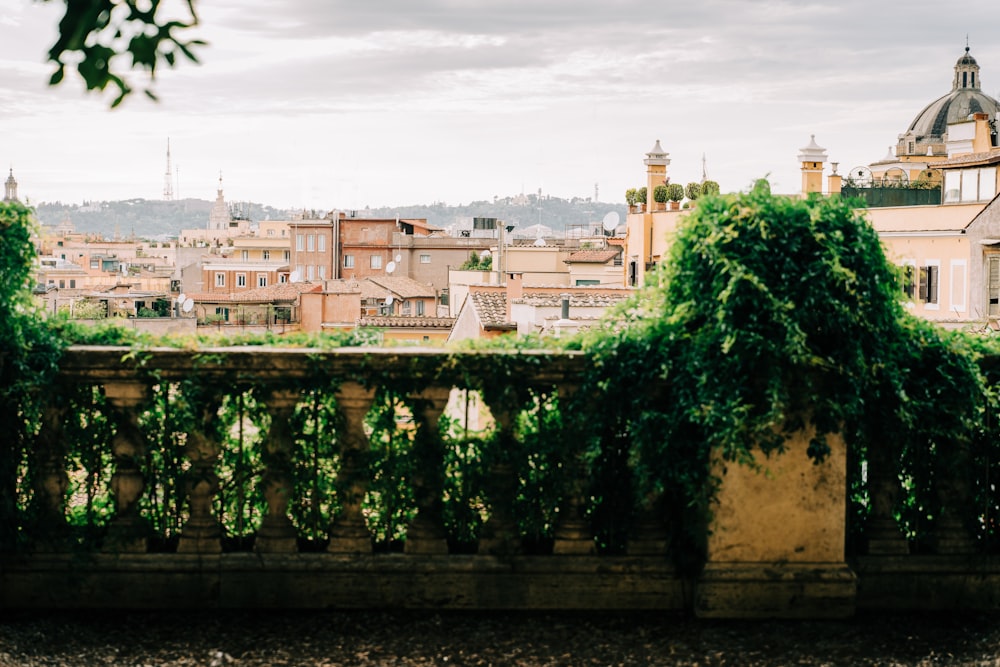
(771, 313)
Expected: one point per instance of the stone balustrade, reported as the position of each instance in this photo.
(778, 545)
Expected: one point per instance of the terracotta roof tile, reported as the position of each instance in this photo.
(400, 321)
(592, 256)
(491, 308)
(401, 286)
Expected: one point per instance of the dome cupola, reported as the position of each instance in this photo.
(928, 133)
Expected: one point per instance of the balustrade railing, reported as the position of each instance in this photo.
(374, 477)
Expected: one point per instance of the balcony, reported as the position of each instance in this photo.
(360, 478)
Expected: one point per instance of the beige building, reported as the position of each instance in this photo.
(944, 233)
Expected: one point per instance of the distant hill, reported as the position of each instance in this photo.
(156, 219)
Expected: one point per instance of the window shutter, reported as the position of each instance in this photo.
(922, 288)
(993, 286)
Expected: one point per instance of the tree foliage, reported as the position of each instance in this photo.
(771, 313)
(97, 36)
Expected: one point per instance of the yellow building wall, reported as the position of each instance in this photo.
(951, 254)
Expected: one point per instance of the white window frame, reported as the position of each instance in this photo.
(220, 279)
(261, 280)
(375, 261)
(241, 280)
(936, 265)
(425, 258)
(311, 243)
(321, 243)
(348, 261)
(300, 242)
(266, 254)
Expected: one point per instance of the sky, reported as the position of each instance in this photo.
(343, 104)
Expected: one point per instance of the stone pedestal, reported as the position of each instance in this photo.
(776, 542)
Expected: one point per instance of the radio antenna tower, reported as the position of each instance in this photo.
(168, 181)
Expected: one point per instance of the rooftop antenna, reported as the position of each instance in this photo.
(168, 184)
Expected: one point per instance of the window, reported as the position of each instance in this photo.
(261, 280)
(220, 279)
(376, 261)
(348, 261)
(405, 308)
(62, 284)
(581, 282)
(310, 273)
(928, 287)
(283, 278)
(288, 255)
(266, 254)
(241, 280)
(322, 243)
(300, 241)
(72, 284)
(95, 263)
(420, 308)
(425, 259)
(311, 243)
(270, 232)
(245, 255)
(970, 185)
(321, 270)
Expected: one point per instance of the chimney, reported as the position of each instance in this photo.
(564, 314)
(515, 289)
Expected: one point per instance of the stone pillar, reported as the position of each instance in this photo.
(427, 535)
(500, 534)
(777, 538)
(202, 533)
(51, 481)
(128, 532)
(349, 532)
(277, 533)
(573, 533)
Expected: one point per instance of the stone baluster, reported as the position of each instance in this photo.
(349, 532)
(951, 535)
(277, 533)
(573, 533)
(51, 480)
(203, 532)
(883, 533)
(129, 531)
(427, 535)
(500, 534)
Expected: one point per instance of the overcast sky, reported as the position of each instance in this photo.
(346, 103)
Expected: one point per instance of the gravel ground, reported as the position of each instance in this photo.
(241, 639)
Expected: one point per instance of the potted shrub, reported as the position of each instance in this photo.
(675, 193)
(640, 197)
(709, 189)
(692, 191)
(630, 199)
(660, 197)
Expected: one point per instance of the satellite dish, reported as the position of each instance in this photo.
(399, 258)
(390, 267)
(388, 300)
(296, 276)
(181, 297)
(188, 305)
(539, 242)
(484, 254)
(611, 221)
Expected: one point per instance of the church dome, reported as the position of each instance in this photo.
(928, 132)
